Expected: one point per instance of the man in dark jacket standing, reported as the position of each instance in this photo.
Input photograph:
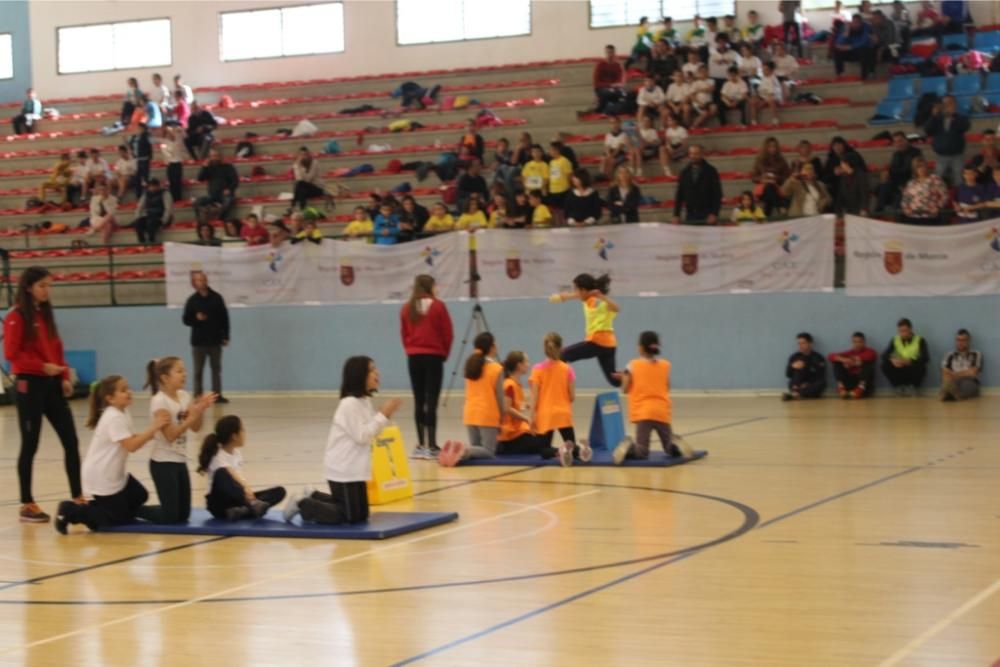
(899, 173)
(699, 189)
(205, 312)
(222, 181)
(947, 129)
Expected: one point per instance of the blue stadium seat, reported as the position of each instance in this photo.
(993, 82)
(934, 84)
(987, 41)
(966, 84)
(900, 89)
(891, 111)
(964, 103)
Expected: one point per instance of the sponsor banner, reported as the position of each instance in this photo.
(653, 259)
(890, 259)
(331, 272)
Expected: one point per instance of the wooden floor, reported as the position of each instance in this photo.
(824, 533)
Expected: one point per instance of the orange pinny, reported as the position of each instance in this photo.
(481, 407)
(649, 392)
(512, 428)
(554, 409)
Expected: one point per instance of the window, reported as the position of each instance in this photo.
(431, 21)
(275, 33)
(606, 13)
(111, 46)
(6, 57)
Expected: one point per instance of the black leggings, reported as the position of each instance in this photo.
(426, 374)
(227, 493)
(114, 510)
(304, 191)
(173, 486)
(175, 176)
(526, 443)
(39, 396)
(587, 350)
(567, 433)
(347, 502)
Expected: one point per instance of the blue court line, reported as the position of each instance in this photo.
(620, 580)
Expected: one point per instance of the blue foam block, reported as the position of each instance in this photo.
(379, 526)
(601, 458)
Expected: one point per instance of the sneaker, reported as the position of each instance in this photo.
(221, 400)
(422, 453)
(434, 450)
(680, 445)
(291, 509)
(259, 508)
(859, 392)
(32, 513)
(786, 396)
(62, 516)
(566, 454)
(585, 452)
(621, 451)
(237, 513)
(842, 391)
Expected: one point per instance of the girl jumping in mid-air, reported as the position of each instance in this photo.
(599, 313)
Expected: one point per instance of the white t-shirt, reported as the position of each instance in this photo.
(750, 67)
(223, 459)
(735, 90)
(649, 98)
(719, 63)
(176, 451)
(103, 469)
(348, 455)
(786, 66)
(678, 92)
(163, 96)
(676, 135)
(649, 135)
(691, 69)
(770, 88)
(78, 174)
(810, 205)
(125, 167)
(617, 142)
(703, 90)
(188, 93)
(173, 150)
(98, 167)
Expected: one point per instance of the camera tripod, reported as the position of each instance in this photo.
(477, 321)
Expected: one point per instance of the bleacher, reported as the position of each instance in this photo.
(540, 98)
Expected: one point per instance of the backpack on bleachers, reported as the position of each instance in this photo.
(332, 147)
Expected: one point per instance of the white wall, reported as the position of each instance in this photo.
(559, 30)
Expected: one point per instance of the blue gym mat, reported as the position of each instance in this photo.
(602, 457)
(379, 526)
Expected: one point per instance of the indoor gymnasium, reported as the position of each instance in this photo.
(500, 332)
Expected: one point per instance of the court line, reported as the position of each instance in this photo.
(615, 582)
(293, 573)
(929, 633)
(96, 566)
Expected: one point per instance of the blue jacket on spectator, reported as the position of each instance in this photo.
(856, 39)
(385, 224)
(949, 138)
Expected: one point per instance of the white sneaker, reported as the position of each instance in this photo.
(621, 451)
(422, 453)
(566, 454)
(586, 453)
(679, 443)
(291, 509)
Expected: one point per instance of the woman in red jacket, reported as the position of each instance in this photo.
(426, 330)
(32, 346)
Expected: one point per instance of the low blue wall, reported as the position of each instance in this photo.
(714, 342)
(14, 21)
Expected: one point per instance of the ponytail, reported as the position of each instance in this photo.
(99, 393)
(552, 344)
(157, 368)
(476, 362)
(225, 430)
(649, 343)
(513, 360)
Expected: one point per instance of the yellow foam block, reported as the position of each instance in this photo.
(391, 479)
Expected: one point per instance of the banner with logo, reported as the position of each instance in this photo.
(890, 259)
(331, 272)
(653, 259)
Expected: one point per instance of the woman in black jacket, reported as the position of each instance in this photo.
(846, 176)
(583, 205)
(623, 198)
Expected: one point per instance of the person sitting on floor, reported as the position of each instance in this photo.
(31, 113)
(904, 361)
(806, 371)
(854, 369)
(960, 370)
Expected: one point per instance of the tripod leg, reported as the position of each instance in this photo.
(461, 355)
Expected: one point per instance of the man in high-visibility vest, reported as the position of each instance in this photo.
(904, 362)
